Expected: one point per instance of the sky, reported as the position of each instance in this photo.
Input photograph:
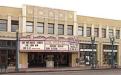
(110, 9)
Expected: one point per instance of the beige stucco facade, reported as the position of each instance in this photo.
(57, 16)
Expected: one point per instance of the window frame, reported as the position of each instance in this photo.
(5, 23)
(40, 26)
(88, 32)
(14, 24)
(103, 33)
(70, 29)
(118, 35)
(28, 25)
(96, 32)
(80, 30)
(61, 29)
(51, 26)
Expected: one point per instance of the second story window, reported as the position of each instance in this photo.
(103, 33)
(40, 27)
(88, 31)
(50, 28)
(80, 30)
(96, 32)
(14, 25)
(117, 34)
(29, 27)
(70, 30)
(60, 29)
(110, 32)
(3, 25)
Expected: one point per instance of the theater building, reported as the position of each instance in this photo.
(51, 37)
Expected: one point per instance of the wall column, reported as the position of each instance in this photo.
(65, 24)
(23, 19)
(100, 54)
(45, 25)
(120, 33)
(85, 29)
(92, 30)
(114, 31)
(20, 24)
(119, 55)
(35, 24)
(75, 28)
(56, 27)
(23, 60)
(9, 24)
(74, 57)
(107, 32)
(100, 31)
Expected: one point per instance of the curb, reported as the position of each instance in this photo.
(56, 70)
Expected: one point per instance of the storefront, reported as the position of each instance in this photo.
(86, 54)
(107, 54)
(41, 51)
(7, 53)
(46, 59)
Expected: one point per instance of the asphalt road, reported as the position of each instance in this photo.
(86, 72)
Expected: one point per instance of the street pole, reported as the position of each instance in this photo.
(92, 41)
(112, 53)
(17, 51)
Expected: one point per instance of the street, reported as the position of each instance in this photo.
(86, 72)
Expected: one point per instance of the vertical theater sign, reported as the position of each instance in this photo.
(34, 43)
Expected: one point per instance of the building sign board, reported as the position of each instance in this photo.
(32, 44)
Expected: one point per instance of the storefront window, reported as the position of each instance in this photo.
(107, 54)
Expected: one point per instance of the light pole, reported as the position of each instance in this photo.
(112, 40)
(92, 53)
(17, 51)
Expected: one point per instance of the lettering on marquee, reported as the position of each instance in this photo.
(31, 44)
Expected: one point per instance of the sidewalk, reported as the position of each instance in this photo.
(12, 70)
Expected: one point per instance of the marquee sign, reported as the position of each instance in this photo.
(56, 45)
(47, 44)
(31, 45)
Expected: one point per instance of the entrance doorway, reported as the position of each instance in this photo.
(47, 59)
(7, 58)
(3, 57)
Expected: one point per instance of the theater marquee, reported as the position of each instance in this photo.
(50, 44)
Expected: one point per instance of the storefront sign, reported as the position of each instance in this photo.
(110, 50)
(31, 45)
(87, 49)
(56, 45)
(48, 44)
(73, 46)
